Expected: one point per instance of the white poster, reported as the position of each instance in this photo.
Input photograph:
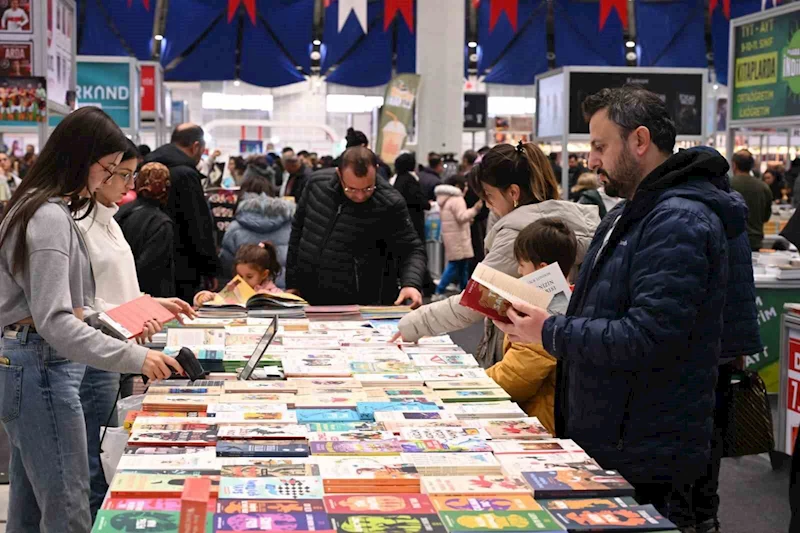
(60, 25)
(550, 107)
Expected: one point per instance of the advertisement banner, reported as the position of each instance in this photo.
(148, 74)
(766, 68)
(23, 101)
(397, 115)
(767, 363)
(476, 111)
(107, 86)
(15, 59)
(60, 25)
(251, 147)
(16, 16)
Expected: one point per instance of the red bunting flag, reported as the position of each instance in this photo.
(726, 7)
(328, 3)
(145, 3)
(496, 7)
(405, 7)
(476, 3)
(249, 5)
(622, 10)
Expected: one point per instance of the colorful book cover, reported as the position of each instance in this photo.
(469, 485)
(523, 428)
(589, 503)
(634, 518)
(474, 395)
(263, 431)
(152, 485)
(452, 374)
(379, 447)
(148, 504)
(486, 383)
(578, 482)
(350, 435)
(388, 523)
(169, 438)
(333, 427)
(386, 367)
(192, 461)
(534, 446)
(277, 488)
(443, 433)
(522, 502)
(272, 522)
(277, 470)
(371, 469)
(443, 360)
(402, 416)
(165, 450)
(487, 521)
(379, 504)
(463, 444)
(269, 506)
(234, 448)
(142, 522)
(305, 416)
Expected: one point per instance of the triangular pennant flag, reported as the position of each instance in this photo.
(405, 7)
(145, 3)
(476, 3)
(358, 7)
(249, 6)
(622, 10)
(496, 7)
(726, 7)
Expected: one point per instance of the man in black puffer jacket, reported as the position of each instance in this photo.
(639, 347)
(352, 239)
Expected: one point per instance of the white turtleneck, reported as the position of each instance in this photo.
(113, 266)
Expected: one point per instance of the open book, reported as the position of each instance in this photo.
(491, 292)
(238, 294)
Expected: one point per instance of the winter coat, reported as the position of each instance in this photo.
(448, 315)
(429, 180)
(195, 240)
(456, 219)
(639, 346)
(408, 186)
(295, 184)
(151, 234)
(592, 197)
(342, 252)
(528, 374)
(259, 218)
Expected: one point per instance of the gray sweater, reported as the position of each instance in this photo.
(56, 280)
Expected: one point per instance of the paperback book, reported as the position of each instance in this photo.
(306, 416)
(263, 431)
(501, 447)
(444, 360)
(491, 293)
(378, 447)
(521, 428)
(272, 521)
(473, 395)
(633, 518)
(413, 504)
(141, 521)
(148, 504)
(588, 503)
(277, 488)
(269, 506)
(522, 502)
(489, 521)
(456, 464)
(371, 523)
(351, 436)
(243, 448)
(171, 438)
(471, 485)
(578, 483)
(152, 485)
(269, 470)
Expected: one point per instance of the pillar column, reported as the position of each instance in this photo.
(440, 62)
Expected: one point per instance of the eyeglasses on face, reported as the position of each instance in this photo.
(127, 177)
(354, 190)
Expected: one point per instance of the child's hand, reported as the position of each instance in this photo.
(202, 297)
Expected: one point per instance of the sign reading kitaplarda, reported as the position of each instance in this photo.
(766, 69)
(107, 86)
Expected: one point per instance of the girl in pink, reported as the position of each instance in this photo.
(258, 265)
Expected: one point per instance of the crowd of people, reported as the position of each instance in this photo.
(657, 244)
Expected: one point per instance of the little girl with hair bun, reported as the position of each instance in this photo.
(257, 264)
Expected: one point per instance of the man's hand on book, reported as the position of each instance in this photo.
(409, 293)
(177, 307)
(526, 323)
(159, 366)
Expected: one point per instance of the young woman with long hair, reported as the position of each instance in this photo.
(45, 284)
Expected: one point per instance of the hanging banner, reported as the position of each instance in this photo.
(107, 86)
(16, 16)
(397, 115)
(581, 41)
(148, 75)
(15, 59)
(23, 101)
(766, 63)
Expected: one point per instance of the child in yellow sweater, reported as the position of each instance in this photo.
(527, 372)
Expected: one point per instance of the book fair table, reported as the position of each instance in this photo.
(362, 436)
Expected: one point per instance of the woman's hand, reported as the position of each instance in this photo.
(150, 328)
(177, 307)
(158, 366)
(202, 297)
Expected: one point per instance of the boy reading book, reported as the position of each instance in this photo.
(527, 372)
(257, 264)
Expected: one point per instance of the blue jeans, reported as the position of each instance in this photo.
(457, 271)
(41, 411)
(98, 394)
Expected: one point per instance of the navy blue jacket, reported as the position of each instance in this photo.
(639, 347)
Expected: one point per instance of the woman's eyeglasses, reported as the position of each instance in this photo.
(127, 177)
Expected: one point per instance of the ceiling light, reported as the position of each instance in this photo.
(631, 44)
(236, 83)
(315, 55)
(472, 44)
(716, 86)
(316, 42)
(158, 37)
(630, 56)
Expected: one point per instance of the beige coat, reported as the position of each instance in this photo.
(447, 315)
(456, 219)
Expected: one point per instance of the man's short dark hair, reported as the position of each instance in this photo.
(632, 106)
(470, 156)
(435, 161)
(358, 159)
(187, 136)
(572, 156)
(287, 149)
(743, 161)
(548, 240)
(302, 153)
(552, 156)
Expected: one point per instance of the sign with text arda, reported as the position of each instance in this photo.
(107, 86)
(766, 82)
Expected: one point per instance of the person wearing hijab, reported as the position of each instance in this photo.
(151, 232)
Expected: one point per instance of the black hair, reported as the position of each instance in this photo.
(187, 136)
(326, 161)
(470, 156)
(483, 149)
(355, 138)
(525, 166)
(744, 161)
(405, 163)
(61, 171)
(552, 156)
(548, 240)
(572, 156)
(263, 255)
(457, 180)
(358, 158)
(434, 161)
(239, 163)
(144, 150)
(287, 149)
(631, 107)
(132, 152)
(302, 153)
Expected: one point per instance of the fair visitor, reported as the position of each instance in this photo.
(585, 192)
(756, 193)
(257, 265)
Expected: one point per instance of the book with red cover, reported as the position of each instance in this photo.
(194, 502)
(128, 319)
(491, 293)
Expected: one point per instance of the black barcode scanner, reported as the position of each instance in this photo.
(188, 361)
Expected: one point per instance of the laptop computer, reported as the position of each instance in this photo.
(258, 353)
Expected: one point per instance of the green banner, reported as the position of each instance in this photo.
(397, 115)
(766, 67)
(770, 306)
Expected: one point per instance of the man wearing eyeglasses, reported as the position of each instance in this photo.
(352, 239)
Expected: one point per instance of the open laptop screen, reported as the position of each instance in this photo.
(258, 353)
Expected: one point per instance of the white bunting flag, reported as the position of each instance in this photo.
(359, 7)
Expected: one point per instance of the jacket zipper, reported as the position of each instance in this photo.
(358, 283)
(328, 233)
(621, 440)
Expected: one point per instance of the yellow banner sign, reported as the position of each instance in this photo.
(761, 69)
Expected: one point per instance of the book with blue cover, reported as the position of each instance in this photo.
(271, 488)
(367, 410)
(306, 416)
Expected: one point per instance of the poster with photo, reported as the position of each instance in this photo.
(23, 100)
(15, 59)
(60, 19)
(16, 16)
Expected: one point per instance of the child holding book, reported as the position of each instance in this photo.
(257, 264)
(527, 372)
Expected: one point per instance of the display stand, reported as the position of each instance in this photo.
(112, 84)
(789, 397)
(152, 101)
(560, 93)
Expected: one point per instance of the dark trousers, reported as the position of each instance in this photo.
(673, 501)
(705, 499)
